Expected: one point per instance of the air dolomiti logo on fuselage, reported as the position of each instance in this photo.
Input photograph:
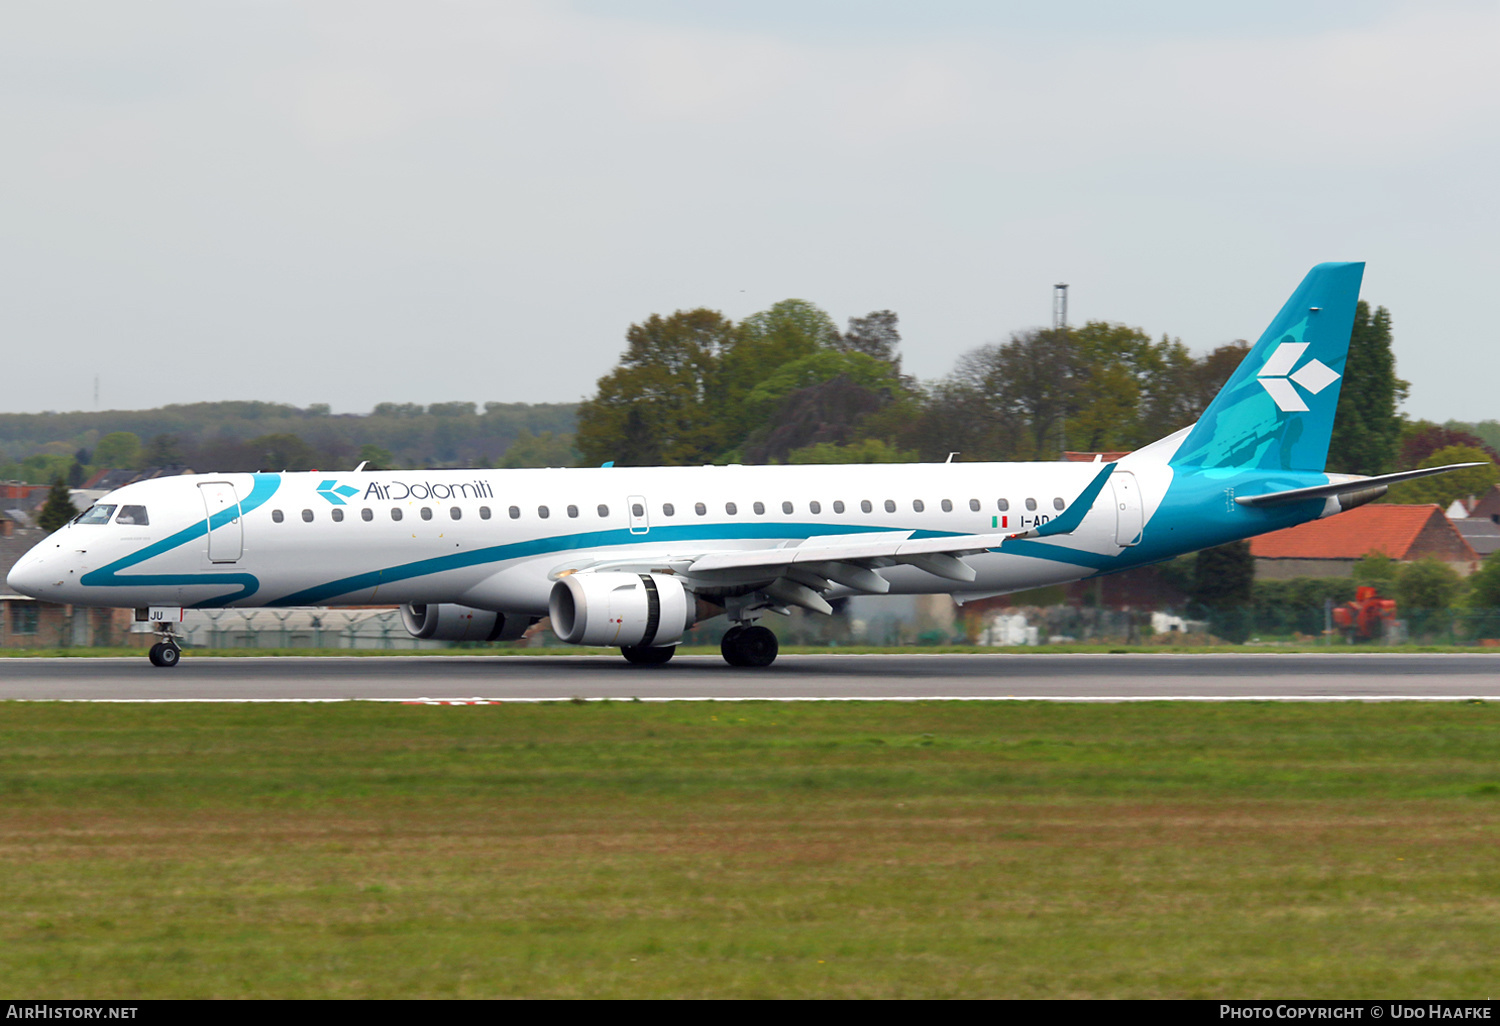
(396, 491)
(1313, 376)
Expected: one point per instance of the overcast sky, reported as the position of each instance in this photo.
(357, 202)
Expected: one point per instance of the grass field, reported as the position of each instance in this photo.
(948, 849)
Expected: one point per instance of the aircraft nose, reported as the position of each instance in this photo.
(29, 575)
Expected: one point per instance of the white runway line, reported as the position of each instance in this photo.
(785, 698)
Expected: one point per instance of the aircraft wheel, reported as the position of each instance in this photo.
(163, 654)
(642, 655)
(750, 646)
(729, 646)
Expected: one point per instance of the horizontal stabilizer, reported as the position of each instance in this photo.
(1357, 484)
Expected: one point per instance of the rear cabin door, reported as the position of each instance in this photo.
(1129, 516)
(226, 531)
(640, 522)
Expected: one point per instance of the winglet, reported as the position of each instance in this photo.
(1073, 516)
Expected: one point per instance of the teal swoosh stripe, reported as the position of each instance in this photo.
(108, 576)
(1057, 553)
(562, 543)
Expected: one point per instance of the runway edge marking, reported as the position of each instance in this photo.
(784, 698)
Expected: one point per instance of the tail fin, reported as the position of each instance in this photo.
(1276, 412)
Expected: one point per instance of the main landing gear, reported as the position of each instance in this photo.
(165, 653)
(749, 645)
(644, 655)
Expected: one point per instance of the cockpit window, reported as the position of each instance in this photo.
(133, 515)
(96, 515)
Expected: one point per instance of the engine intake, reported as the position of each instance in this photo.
(618, 608)
(450, 622)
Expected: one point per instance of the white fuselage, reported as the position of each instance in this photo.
(499, 539)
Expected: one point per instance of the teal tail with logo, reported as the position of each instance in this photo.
(1276, 412)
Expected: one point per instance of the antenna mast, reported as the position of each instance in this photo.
(1060, 323)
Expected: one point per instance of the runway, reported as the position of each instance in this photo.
(1132, 677)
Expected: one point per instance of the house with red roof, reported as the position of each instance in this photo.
(1331, 547)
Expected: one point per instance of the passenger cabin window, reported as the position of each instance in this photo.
(918, 506)
(484, 512)
(96, 515)
(515, 512)
(133, 515)
(455, 512)
(786, 507)
(1057, 503)
(395, 512)
(760, 509)
(338, 516)
(573, 512)
(1002, 504)
(307, 516)
(947, 505)
(668, 510)
(974, 505)
(866, 506)
(367, 514)
(637, 510)
(890, 505)
(731, 509)
(543, 512)
(838, 505)
(277, 516)
(603, 511)
(700, 509)
(815, 507)
(426, 512)
(1031, 504)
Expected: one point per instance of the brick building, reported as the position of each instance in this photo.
(1331, 547)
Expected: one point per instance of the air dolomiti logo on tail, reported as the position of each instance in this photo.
(1313, 376)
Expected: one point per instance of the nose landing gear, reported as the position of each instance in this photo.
(749, 645)
(165, 653)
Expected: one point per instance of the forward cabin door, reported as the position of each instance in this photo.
(640, 523)
(1129, 515)
(226, 531)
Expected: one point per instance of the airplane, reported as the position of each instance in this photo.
(634, 557)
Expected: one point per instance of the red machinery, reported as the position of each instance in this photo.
(1368, 616)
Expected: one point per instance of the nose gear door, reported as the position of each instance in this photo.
(226, 531)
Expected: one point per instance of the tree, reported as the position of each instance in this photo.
(663, 403)
(876, 335)
(1428, 584)
(544, 450)
(58, 509)
(1484, 585)
(1379, 571)
(866, 450)
(1366, 427)
(284, 452)
(164, 451)
(1224, 576)
(1421, 438)
(376, 458)
(118, 450)
(1444, 488)
(1224, 582)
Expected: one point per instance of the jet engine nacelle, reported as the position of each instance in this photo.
(449, 622)
(618, 608)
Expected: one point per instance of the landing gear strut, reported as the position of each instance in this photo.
(643, 655)
(749, 646)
